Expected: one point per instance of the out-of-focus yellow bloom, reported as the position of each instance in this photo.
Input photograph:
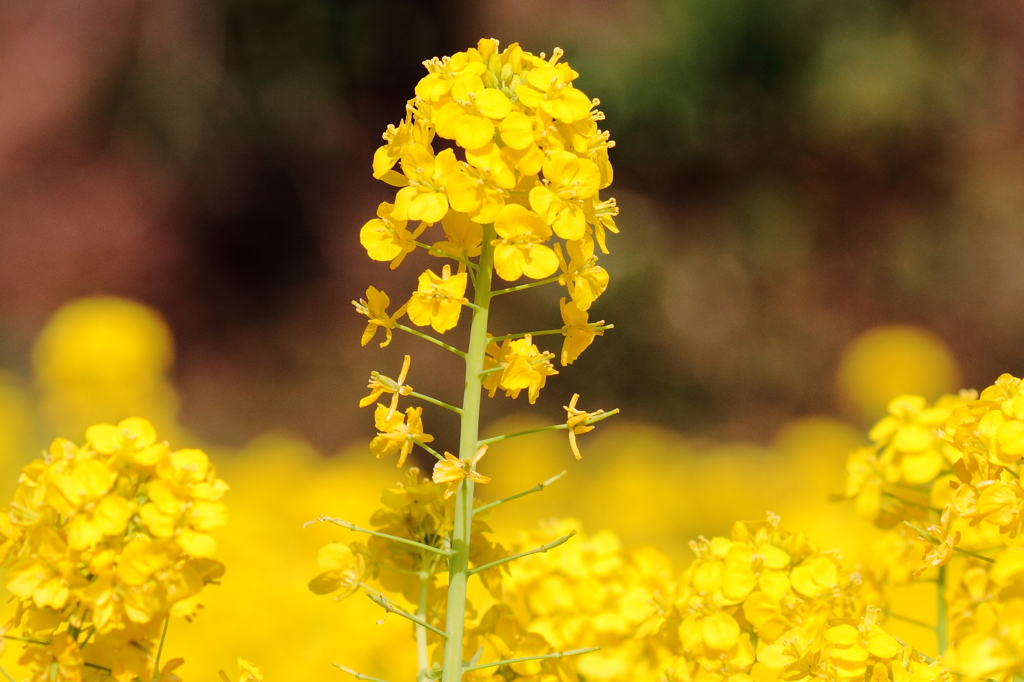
(99, 359)
(380, 384)
(438, 301)
(886, 362)
(398, 432)
(342, 570)
(248, 672)
(105, 541)
(452, 470)
(521, 250)
(375, 307)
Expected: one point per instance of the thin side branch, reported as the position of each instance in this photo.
(357, 675)
(935, 541)
(543, 548)
(560, 654)
(435, 401)
(391, 607)
(6, 674)
(495, 439)
(431, 339)
(521, 287)
(354, 527)
(429, 449)
(535, 489)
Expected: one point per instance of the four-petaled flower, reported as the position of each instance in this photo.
(577, 423)
(438, 301)
(452, 470)
(375, 307)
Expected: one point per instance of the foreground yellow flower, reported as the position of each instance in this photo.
(438, 301)
(570, 180)
(380, 384)
(452, 470)
(525, 367)
(576, 423)
(521, 250)
(578, 331)
(386, 238)
(375, 307)
(398, 432)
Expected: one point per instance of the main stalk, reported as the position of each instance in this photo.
(458, 563)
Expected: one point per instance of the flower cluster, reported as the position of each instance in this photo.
(946, 480)
(104, 542)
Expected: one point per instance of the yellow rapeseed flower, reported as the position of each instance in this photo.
(380, 384)
(375, 307)
(520, 249)
(452, 470)
(438, 301)
(397, 432)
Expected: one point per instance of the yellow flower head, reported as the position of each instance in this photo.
(521, 250)
(380, 384)
(578, 423)
(452, 470)
(397, 432)
(385, 238)
(525, 367)
(341, 570)
(579, 332)
(438, 301)
(375, 307)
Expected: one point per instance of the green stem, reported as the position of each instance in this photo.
(543, 548)
(357, 675)
(560, 654)
(27, 641)
(435, 401)
(521, 287)
(431, 339)
(389, 606)
(422, 655)
(458, 563)
(395, 538)
(160, 648)
(6, 674)
(942, 616)
(535, 489)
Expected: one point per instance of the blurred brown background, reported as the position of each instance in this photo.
(790, 174)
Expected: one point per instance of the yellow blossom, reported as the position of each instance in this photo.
(341, 570)
(582, 276)
(525, 367)
(398, 432)
(375, 308)
(380, 384)
(452, 470)
(386, 238)
(579, 332)
(248, 672)
(465, 237)
(438, 301)
(570, 180)
(467, 119)
(520, 249)
(576, 423)
(424, 198)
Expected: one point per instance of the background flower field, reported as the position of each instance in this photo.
(821, 210)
